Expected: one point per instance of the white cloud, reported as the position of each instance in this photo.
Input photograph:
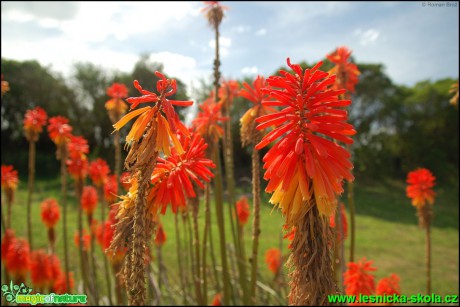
(249, 70)
(367, 37)
(261, 32)
(224, 45)
(241, 28)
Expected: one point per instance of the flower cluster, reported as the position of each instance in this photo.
(34, 120)
(419, 189)
(347, 72)
(305, 165)
(116, 106)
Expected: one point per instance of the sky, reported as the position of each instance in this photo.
(415, 41)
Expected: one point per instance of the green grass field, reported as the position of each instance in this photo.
(387, 232)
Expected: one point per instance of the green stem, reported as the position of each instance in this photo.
(256, 221)
(106, 264)
(179, 259)
(428, 259)
(221, 226)
(63, 158)
(30, 191)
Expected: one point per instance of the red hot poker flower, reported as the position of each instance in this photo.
(388, 286)
(77, 145)
(420, 184)
(167, 121)
(9, 177)
(50, 212)
(59, 130)
(358, 279)
(77, 166)
(34, 120)
(228, 91)
(214, 12)
(273, 259)
(7, 240)
(172, 177)
(116, 106)
(89, 199)
(242, 210)
(208, 119)
(304, 161)
(99, 171)
(40, 269)
(18, 258)
(111, 189)
(256, 95)
(160, 236)
(217, 301)
(347, 72)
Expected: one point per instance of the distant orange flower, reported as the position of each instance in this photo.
(344, 223)
(256, 94)
(40, 269)
(60, 286)
(160, 236)
(99, 171)
(347, 72)
(89, 199)
(273, 259)
(111, 189)
(303, 162)
(454, 90)
(420, 184)
(358, 279)
(9, 181)
(166, 119)
(18, 259)
(180, 170)
(242, 210)
(388, 286)
(7, 240)
(77, 145)
(214, 12)
(228, 90)
(208, 119)
(116, 106)
(86, 240)
(59, 130)
(124, 180)
(50, 212)
(34, 120)
(217, 301)
(5, 86)
(77, 166)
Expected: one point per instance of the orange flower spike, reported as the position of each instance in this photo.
(388, 286)
(50, 212)
(214, 12)
(180, 170)
(5, 86)
(420, 183)
(228, 91)
(40, 269)
(160, 236)
(86, 240)
(99, 171)
(77, 145)
(208, 119)
(170, 122)
(34, 120)
(217, 301)
(256, 94)
(111, 189)
(358, 279)
(9, 178)
(242, 210)
(18, 258)
(273, 259)
(345, 70)
(89, 199)
(77, 164)
(303, 158)
(7, 240)
(117, 91)
(59, 130)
